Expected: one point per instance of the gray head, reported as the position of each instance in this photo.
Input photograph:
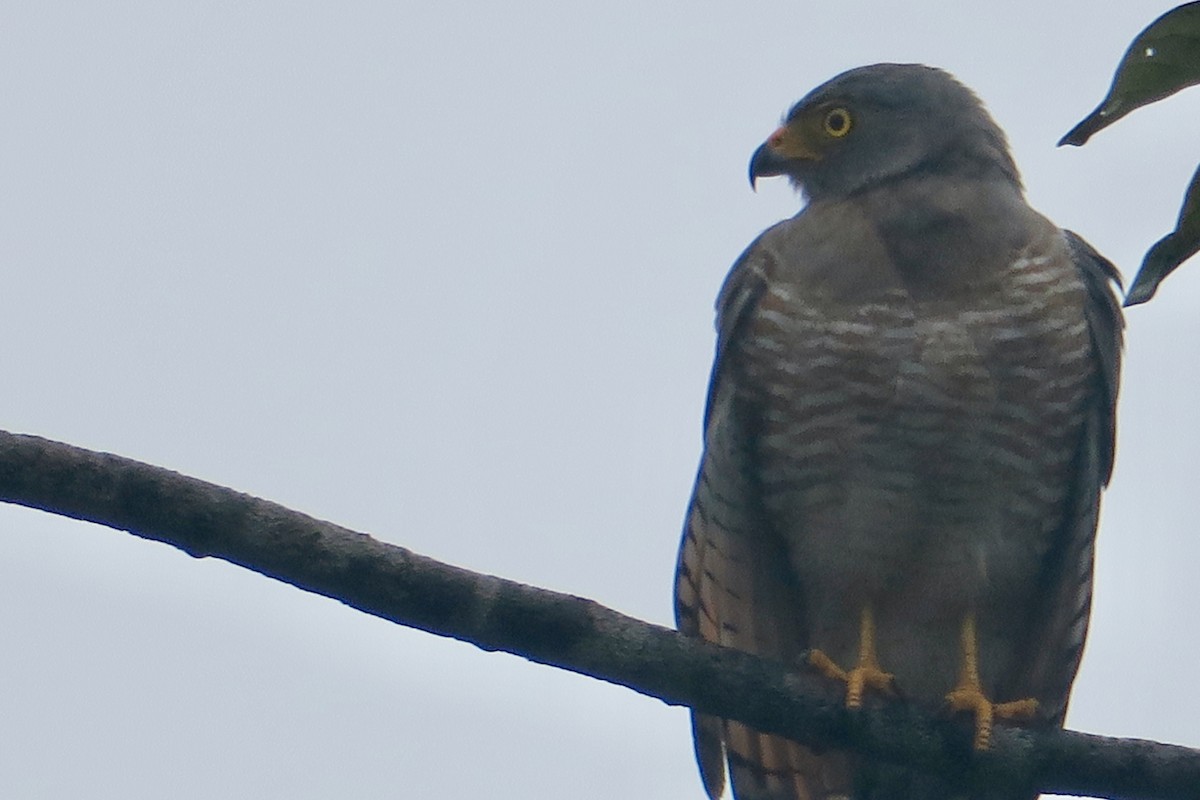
(874, 124)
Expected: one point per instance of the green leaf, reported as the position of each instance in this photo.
(1171, 250)
(1163, 59)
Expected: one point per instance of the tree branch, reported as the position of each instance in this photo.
(572, 633)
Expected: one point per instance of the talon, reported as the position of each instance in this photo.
(826, 667)
(866, 675)
(968, 694)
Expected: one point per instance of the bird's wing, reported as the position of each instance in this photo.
(734, 585)
(1059, 628)
(1105, 324)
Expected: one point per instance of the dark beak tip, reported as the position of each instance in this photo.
(758, 162)
(765, 163)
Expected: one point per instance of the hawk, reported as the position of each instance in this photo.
(909, 425)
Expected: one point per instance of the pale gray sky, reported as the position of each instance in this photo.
(444, 272)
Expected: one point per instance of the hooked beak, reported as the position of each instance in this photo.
(780, 154)
(765, 163)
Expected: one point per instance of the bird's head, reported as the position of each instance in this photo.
(873, 124)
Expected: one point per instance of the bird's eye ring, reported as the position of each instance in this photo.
(837, 122)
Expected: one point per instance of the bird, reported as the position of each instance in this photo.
(909, 425)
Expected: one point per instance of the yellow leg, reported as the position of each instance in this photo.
(867, 674)
(968, 694)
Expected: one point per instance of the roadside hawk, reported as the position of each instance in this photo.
(909, 424)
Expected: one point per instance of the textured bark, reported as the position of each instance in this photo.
(573, 633)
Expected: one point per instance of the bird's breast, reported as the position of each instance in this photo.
(904, 443)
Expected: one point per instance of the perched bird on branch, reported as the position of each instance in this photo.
(909, 425)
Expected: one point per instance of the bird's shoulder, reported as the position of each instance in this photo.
(831, 249)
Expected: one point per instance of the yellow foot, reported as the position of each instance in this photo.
(867, 675)
(971, 698)
(968, 694)
(857, 680)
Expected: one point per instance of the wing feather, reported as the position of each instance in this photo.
(1058, 632)
(733, 581)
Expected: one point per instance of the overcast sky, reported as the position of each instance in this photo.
(444, 273)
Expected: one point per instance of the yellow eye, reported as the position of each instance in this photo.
(837, 122)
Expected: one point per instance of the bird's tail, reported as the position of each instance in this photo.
(763, 767)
